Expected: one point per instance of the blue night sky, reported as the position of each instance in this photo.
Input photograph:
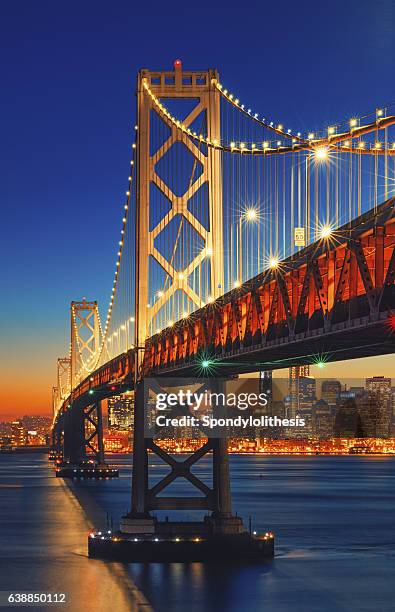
(67, 114)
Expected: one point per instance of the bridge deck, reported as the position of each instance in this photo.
(333, 300)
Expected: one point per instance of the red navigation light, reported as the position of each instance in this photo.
(391, 322)
(113, 387)
(177, 64)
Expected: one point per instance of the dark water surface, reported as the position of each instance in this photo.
(334, 520)
(43, 534)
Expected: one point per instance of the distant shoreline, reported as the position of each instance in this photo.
(45, 449)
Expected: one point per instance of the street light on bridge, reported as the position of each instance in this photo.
(326, 231)
(251, 214)
(321, 154)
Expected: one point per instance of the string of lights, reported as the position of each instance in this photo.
(312, 143)
(380, 115)
(103, 353)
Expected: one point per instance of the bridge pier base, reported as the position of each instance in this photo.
(218, 522)
(83, 446)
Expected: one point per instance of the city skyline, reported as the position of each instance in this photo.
(332, 409)
(357, 369)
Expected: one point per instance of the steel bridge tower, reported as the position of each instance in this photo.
(82, 429)
(85, 339)
(199, 87)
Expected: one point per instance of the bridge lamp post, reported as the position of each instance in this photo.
(326, 231)
(321, 154)
(206, 366)
(205, 363)
(251, 214)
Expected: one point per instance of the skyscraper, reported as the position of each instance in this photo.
(380, 393)
(296, 373)
(323, 419)
(330, 391)
(302, 395)
(348, 423)
(18, 434)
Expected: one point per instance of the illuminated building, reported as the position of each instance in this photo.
(301, 386)
(380, 393)
(330, 390)
(348, 422)
(116, 444)
(302, 395)
(18, 434)
(278, 409)
(301, 446)
(266, 382)
(120, 412)
(38, 423)
(322, 419)
(295, 374)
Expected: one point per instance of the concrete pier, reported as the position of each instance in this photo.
(181, 543)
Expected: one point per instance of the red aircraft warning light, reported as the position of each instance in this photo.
(177, 64)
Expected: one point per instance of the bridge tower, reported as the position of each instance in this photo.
(85, 339)
(159, 168)
(83, 425)
(199, 89)
(63, 377)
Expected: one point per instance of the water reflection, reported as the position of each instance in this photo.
(334, 522)
(333, 517)
(43, 541)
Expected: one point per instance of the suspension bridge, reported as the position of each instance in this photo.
(245, 245)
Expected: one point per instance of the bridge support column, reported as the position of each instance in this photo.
(221, 479)
(144, 499)
(139, 519)
(140, 459)
(99, 429)
(56, 440)
(82, 430)
(222, 520)
(74, 436)
(56, 451)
